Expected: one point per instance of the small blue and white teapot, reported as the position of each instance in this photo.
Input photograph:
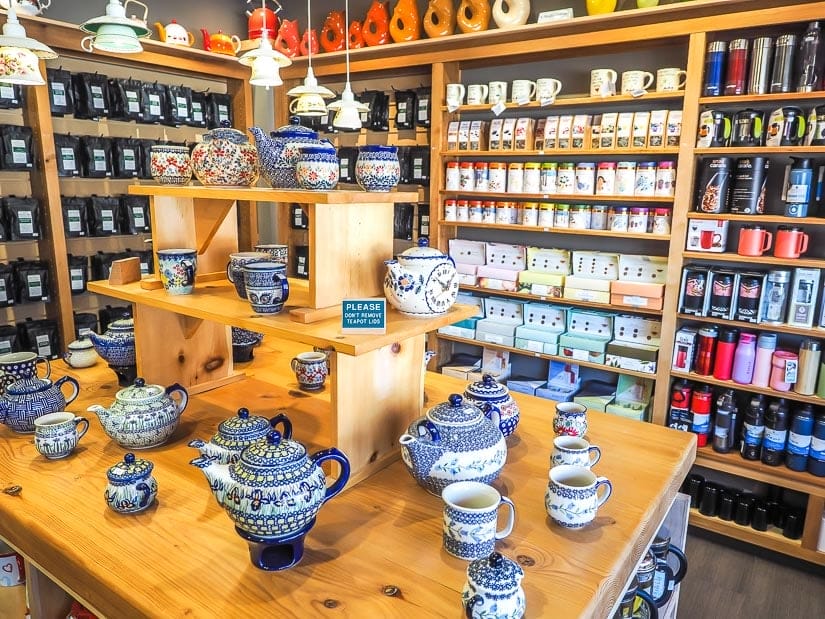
(495, 400)
(493, 589)
(422, 282)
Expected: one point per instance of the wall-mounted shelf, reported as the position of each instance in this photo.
(788, 395)
(575, 101)
(753, 326)
(535, 197)
(767, 98)
(817, 263)
(572, 152)
(759, 150)
(573, 231)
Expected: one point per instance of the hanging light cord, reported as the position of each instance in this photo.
(309, 36)
(346, 30)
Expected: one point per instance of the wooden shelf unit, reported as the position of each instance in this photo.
(544, 229)
(816, 263)
(771, 97)
(565, 152)
(756, 326)
(788, 395)
(581, 100)
(762, 219)
(556, 197)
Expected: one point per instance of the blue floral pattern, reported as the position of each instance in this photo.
(377, 168)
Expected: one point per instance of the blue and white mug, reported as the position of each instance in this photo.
(471, 518)
(574, 495)
(19, 365)
(267, 288)
(574, 451)
(177, 270)
(56, 434)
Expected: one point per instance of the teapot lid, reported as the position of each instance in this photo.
(495, 573)
(226, 132)
(455, 412)
(83, 343)
(294, 130)
(28, 385)
(242, 427)
(275, 451)
(131, 469)
(139, 392)
(486, 388)
(122, 324)
(423, 250)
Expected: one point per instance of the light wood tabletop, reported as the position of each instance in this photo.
(375, 550)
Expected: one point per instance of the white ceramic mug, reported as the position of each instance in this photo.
(455, 94)
(470, 519)
(477, 94)
(56, 434)
(547, 88)
(636, 81)
(603, 82)
(574, 451)
(670, 79)
(574, 495)
(497, 92)
(523, 91)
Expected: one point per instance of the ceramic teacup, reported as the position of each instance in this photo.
(56, 434)
(523, 91)
(310, 369)
(18, 365)
(278, 253)
(570, 419)
(497, 92)
(636, 81)
(308, 103)
(574, 495)
(669, 79)
(177, 269)
(471, 519)
(234, 268)
(603, 82)
(267, 287)
(455, 94)
(574, 451)
(547, 88)
(477, 94)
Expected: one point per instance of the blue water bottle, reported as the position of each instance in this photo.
(799, 439)
(715, 68)
(798, 190)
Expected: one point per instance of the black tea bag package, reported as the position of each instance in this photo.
(9, 339)
(125, 158)
(32, 280)
(22, 218)
(41, 337)
(91, 95)
(75, 216)
(423, 220)
(298, 219)
(405, 172)
(219, 109)
(419, 165)
(405, 101)
(84, 323)
(8, 285)
(134, 215)
(145, 157)
(124, 98)
(67, 151)
(199, 106)
(423, 107)
(178, 104)
(403, 221)
(347, 156)
(17, 148)
(78, 273)
(95, 157)
(11, 96)
(61, 97)
(147, 262)
(152, 102)
(104, 214)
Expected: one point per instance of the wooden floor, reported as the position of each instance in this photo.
(728, 579)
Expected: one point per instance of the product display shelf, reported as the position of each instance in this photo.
(760, 150)
(771, 97)
(132, 566)
(817, 263)
(563, 197)
(538, 355)
(581, 100)
(756, 326)
(710, 380)
(768, 219)
(566, 152)
(574, 231)
(559, 301)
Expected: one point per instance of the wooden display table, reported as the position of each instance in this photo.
(375, 550)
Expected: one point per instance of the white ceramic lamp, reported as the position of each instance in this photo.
(265, 62)
(310, 95)
(114, 32)
(347, 110)
(13, 41)
(20, 66)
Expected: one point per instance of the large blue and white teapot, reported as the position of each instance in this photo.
(422, 282)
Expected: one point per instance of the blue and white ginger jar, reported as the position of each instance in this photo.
(377, 167)
(453, 442)
(493, 589)
(27, 399)
(317, 167)
(131, 487)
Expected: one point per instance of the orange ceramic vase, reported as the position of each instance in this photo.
(473, 15)
(405, 24)
(332, 34)
(376, 29)
(310, 39)
(598, 7)
(439, 20)
(288, 41)
(356, 35)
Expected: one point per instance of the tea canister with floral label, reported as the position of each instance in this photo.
(317, 167)
(493, 589)
(131, 487)
(225, 157)
(495, 401)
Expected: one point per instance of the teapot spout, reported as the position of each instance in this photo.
(262, 140)
(216, 473)
(106, 420)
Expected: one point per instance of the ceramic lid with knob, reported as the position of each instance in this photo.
(226, 132)
(131, 469)
(455, 412)
(28, 385)
(421, 251)
(241, 429)
(486, 389)
(275, 452)
(140, 392)
(294, 130)
(495, 573)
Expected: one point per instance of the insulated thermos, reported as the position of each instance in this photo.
(765, 347)
(783, 63)
(809, 60)
(715, 68)
(700, 406)
(799, 438)
(705, 349)
(753, 428)
(725, 349)
(786, 127)
(810, 351)
(748, 129)
(737, 67)
(776, 433)
(744, 359)
(725, 425)
(776, 296)
(721, 296)
(760, 71)
(816, 455)
(800, 177)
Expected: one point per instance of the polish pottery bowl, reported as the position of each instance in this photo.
(171, 165)
(377, 168)
(317, 167)
(239, 432)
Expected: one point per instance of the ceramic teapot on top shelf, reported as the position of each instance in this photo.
(175, 34)
(142, 415)
(221, 43)
(280, 150)
(422, 281)
(495, 401)
(453, 442)
(237, 433)
(225, 157)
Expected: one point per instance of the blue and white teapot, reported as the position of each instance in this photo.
(493, 589)
(279, 151)
(27, 399)
(422, 282)
(453, 442)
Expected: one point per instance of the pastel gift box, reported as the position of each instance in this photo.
(495, 272)
(628, 356)
(541, 284)
(545, 260)
(563, 382)
(633, 294)
(596, 264)
(468, 252)
(632, 397)
(595, 394)
(491, 283)
(637, 330)
(493, 362)
(463, 328)
(467, 274)
(587, 336)
(642, 269)
(537, 340)
(582, 294)
(528, 386)
(502, 318)
(545, 317)
(510, 257)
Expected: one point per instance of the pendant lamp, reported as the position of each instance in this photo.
(20, 55)
(265, 61)
(310, 95)
(347, 109)
(114, 32)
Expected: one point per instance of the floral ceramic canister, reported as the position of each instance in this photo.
(171, 165)
(377, 167)
(317, 167)
(225, 157)
(131, 487)
(495, 400)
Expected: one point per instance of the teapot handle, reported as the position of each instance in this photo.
(472, 602)
(236, 42)
(184, 396)
(146, 491)
(333, 454)
(493, 413)
(75, 388)
(191, 38)
(282, 419)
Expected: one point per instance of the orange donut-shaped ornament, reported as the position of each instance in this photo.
(332, 34)
(376, 28)
(405, 24)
